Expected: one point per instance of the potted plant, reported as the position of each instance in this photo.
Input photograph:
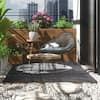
(17, 53)
(4, 49)
(33, 27)
(19, 24)
(44, 20)
(63, 23)
(4, 53)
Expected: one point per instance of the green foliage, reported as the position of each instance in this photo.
(19, 24)
(3, 12)
(4, 26)
(2, 4)
(33, 26)
(4, 50)
(5, 23)
(17, 49)
(63, 23)
(44, 20)
(2, 37)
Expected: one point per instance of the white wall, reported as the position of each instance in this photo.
(76, 14)
(75, 5)
(76, 9)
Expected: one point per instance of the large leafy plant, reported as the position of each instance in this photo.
(5, 23)
(4, 26)
(63, 23)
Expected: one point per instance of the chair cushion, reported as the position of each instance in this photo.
(63, 39)
(65, 42)
(51, 45)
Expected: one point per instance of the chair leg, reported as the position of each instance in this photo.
(54, 66)
(62, 58)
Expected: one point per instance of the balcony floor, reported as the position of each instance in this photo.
(78, 84)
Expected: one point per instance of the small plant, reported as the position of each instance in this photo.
(17, 49)
(4, 50)
(63, 23)
(44, 20)
(34, 26)
(19, 24)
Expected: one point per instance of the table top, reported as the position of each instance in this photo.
(44, 56)
(30, 41)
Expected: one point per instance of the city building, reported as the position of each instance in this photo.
(23, 14)
(32, 9)
(57, 8)
(26, 14)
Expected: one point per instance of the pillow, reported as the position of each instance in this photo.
(63, 39)
(52, 45)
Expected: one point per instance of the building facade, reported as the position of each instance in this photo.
(26, 14)
(57, 8)
(23, 14)
(32, 9)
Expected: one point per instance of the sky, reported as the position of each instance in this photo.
(21, 4)
(17, 4)
(70, 5)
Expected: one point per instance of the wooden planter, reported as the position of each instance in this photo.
(47, 34)
(16, 59)
(21, 35)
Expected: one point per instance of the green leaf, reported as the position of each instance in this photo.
(63, 23)
(4, 50)
(33, 26)
(2, 4)
(2, 13)
(5, 25)
(19, 24)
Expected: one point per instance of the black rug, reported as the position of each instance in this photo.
(75, 74)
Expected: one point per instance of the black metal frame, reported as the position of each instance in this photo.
(97, 38)
(88, 32)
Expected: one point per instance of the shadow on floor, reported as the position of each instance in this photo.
(76, 74)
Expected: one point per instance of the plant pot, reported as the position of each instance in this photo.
(4, 66)
(32, 35)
